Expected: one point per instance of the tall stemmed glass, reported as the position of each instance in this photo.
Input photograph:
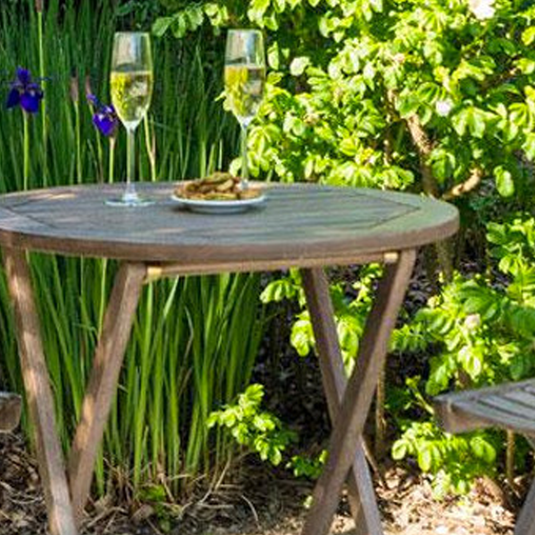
(131, 92)
(245, 74)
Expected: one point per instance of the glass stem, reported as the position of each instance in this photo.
(244, 159)
(130, 192)
(43, 87)
(111, 161)
(26, 152)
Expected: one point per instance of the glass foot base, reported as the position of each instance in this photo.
(129, 201)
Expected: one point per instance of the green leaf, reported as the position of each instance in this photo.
(377, 5)
(521, 366)
(408, 105)
(255, 393)
(275, 456)
(526, 65)
(301, 337)
(257, 9)
(425, 458)
(482, 449)
(399, 450)
(477, 122)
(528, 36)
(504, 181)
(179, 26)
(195, 16)
(428, 92)
(519, 114)
(529, 146)
(273, 56)
(278, 290)
(460, 121)
(298, 65)
(161, 25)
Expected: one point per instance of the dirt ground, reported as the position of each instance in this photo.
(264, 503)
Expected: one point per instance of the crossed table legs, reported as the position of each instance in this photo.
(66, 498)
(348, 406)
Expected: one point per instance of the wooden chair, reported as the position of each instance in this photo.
(510, 406)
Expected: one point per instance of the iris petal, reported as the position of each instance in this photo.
(29, 101)
(93, 99)
(23, 76)
(13, 98)
(105, 123)
(24, 92)
(36, 88)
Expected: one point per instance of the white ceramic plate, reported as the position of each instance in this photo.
(219, 207)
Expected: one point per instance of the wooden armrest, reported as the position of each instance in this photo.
(510, 406)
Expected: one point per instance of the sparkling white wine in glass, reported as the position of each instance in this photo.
(244, 86)
(131, 84)
(131, 95)
(245, 74)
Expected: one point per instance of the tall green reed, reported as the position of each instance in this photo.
(188, 352)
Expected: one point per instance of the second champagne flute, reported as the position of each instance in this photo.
(245, 74)
(131, 91)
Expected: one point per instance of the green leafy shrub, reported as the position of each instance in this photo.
(308, 467)
(257, 430)
(422, 95)
(479, 331)
(263, 433)
(374, 92)
(453, 461)
(482, 330)
(350, 311)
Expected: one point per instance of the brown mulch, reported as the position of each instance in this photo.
(263, 503)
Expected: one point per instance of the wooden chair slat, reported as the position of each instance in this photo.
(524, 397)
(530, 387)
(510, 406)
(493, 414)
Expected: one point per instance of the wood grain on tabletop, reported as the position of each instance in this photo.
(302, 221)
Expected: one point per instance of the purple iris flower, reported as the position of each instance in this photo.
(105, 118)
(24, 92)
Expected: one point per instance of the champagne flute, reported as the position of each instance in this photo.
(245, 74)
(131, 91)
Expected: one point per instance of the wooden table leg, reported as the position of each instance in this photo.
(351, 417)
(360, 486)
(103, 382)
(39, 394)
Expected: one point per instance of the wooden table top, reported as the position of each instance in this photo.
(297, 224)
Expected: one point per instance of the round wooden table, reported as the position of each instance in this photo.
(303, 225)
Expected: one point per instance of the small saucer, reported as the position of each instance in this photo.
(219, 207)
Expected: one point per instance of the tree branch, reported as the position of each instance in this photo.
(471, 183)
(424, 146)
(423, 143)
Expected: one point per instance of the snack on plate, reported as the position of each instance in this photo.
(216, 187)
